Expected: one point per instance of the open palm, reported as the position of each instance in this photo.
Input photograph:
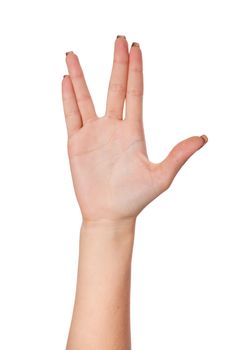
(111, 173)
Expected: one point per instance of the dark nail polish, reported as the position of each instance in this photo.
(121, 36)
(135, 44)
(205, 138)
(67, 53)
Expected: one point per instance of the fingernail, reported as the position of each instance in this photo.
(65, 76)
(205, 138)
(135, 44)
(67, 53)
(121, 36)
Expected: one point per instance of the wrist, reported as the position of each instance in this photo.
(111, 234)
(112, 226)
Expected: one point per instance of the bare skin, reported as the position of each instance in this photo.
(113, 181)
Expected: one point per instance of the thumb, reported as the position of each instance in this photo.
(178, 156)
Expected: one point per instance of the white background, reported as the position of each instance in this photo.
(182, 271)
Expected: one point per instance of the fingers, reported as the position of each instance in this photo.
(118, 79)
(178, 156)
(134, 94)
(71, 111)
(83, 97)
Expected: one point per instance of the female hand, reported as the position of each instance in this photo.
(112, 175)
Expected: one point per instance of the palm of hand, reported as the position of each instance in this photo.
(111, 173)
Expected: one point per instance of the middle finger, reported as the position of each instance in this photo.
(118, 80)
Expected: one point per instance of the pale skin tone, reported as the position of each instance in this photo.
(113, 181)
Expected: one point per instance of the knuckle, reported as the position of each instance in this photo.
(167, 181)
(78, 75)
(166, 185)
(83, 98)
(163, 178)
(136, 69)
(135, 92)
(118, 89)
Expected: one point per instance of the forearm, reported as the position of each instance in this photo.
(101, 316)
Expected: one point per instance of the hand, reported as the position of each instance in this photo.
(112, 176)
